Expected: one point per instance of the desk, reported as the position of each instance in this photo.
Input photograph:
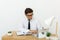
(28, 37)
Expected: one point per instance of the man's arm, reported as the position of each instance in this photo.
(34, 31)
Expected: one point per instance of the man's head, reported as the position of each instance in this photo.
(29, 13)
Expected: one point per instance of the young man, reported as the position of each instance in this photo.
(30, 23)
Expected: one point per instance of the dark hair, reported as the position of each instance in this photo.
(28, 10)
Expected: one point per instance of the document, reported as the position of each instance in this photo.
(23, 32)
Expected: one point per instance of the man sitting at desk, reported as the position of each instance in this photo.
(30, 23)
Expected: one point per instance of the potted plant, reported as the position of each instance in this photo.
(9, 33)
(48, 34)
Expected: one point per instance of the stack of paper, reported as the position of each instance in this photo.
(23, 32)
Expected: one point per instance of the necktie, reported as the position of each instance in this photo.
(29, 24)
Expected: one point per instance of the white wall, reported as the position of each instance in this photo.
(12, 12)
(9, 18)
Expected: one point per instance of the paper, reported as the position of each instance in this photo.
(23, 32)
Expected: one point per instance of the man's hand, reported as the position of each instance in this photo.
(34, 31)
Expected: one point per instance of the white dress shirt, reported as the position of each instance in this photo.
(34, 25)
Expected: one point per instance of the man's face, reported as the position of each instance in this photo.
(29, 15)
